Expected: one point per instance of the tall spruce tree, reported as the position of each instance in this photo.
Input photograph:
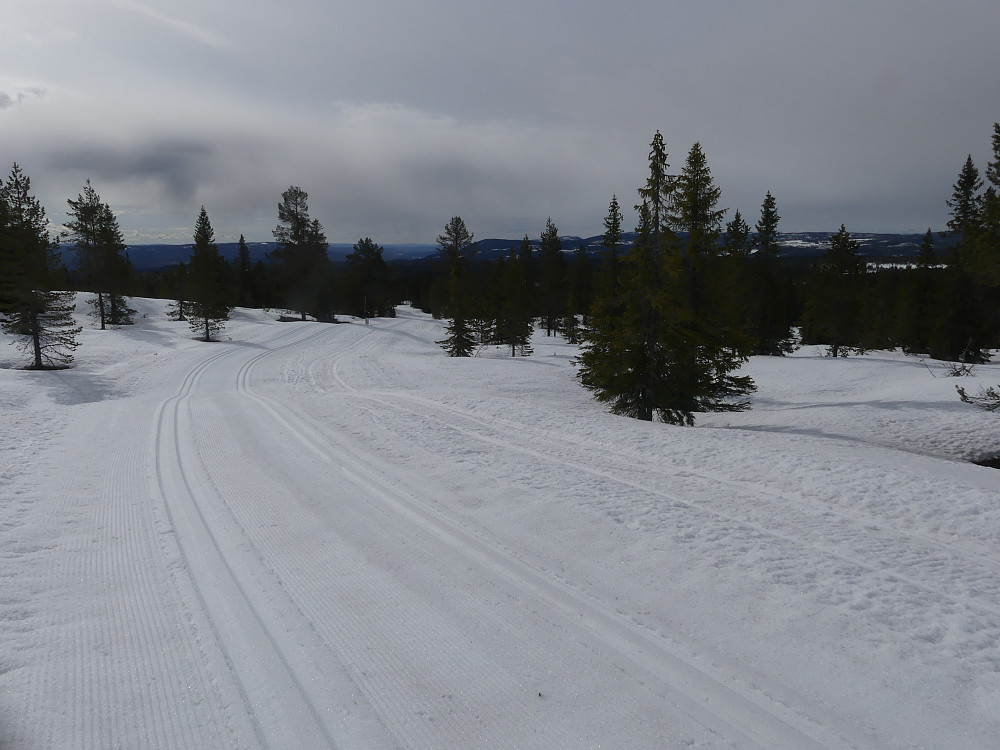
(368, 277)
(769, 312)
(101, 258)
(552, 277)
(514, 326)
(455, 246)
(208, 282)
(833, 311)
(916, 306)
(966, 204)
(243, 285)
(40, 318)
(646, 352)
(303, 267)
(612, 243)
(736, 238)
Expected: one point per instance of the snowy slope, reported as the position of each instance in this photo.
(334, 536)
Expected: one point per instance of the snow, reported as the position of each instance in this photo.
(316, 536)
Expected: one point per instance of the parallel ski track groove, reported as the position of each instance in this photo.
(989, 573)
(309, 591)
(757, 723)
(167, 422)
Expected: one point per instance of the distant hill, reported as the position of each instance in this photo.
(793, 245)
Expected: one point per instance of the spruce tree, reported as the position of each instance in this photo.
(646, 352)
(770, 303)
(455, 247)
(833, 310)
(917, 300)
(243, 286)
(736, 238)
(368, 277)
(101, 258)
(767, 227)
(208, 282)
(176, 280)
(303, 268)
(40, 318)
(612, 243)
(552, 277)
(516, 317)
(966, 203)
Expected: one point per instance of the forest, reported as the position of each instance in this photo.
(664, 320)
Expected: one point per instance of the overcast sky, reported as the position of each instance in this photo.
(395, 115)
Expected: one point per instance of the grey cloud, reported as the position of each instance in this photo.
(19, 97)
(175, 166)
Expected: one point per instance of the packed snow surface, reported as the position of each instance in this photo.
(334, 536)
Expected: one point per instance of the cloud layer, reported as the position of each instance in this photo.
(396, 116)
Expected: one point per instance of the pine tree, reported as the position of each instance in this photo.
(243, 286)
(916, 308)
(833, 311)
(736, 238)
(767, 227)
(368, 277)
(176, 281)
(552, 277)
(646, 352)
(966, 203)
(460, 341)
(770, 304)
(303, 267)
(455, 247)
(101, 256)
(612, 242)
(510, 300)
(208, 282)
(40, 319)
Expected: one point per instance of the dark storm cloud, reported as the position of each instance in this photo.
(175, 167)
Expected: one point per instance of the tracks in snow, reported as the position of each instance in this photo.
(739, 713)
(268, 666)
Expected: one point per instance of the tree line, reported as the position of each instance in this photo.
(663, 322)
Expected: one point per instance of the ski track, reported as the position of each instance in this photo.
(748, 715)
(330, 597)
(942, 563)
(875, 563)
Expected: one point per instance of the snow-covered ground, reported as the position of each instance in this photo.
(314, 536)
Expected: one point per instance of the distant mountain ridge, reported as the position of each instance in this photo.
(149, 257)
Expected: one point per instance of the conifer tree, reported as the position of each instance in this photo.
(917, 300)
(770, 303)
(767, 227)
(646, 352)
(243, 286)
(833, 311)
(513, 325)
(736, 238)
(552, 277)
(612, 243)
(101, 256)
(966, 203)
(303, 268)
(368, 277)
(208, 282)
(176, 282)
(39, 317)
(455, 245)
